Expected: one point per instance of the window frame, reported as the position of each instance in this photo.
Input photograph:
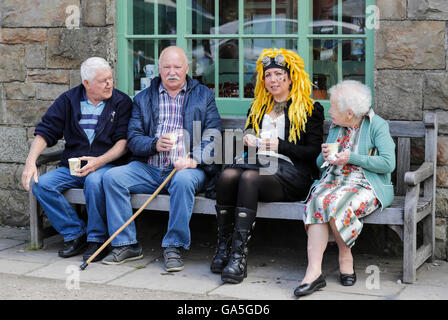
(231, 106)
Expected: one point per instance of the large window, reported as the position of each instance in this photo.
(223, 39)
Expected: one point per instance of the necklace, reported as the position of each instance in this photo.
(279, 107)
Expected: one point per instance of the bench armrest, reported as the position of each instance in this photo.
(45, 158)
(425, 171)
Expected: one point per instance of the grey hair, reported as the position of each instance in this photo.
(90, 67)
(354, 95)
(172, 47)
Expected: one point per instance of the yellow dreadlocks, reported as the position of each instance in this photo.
(301, 103)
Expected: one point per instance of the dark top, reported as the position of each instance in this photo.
(62, 121)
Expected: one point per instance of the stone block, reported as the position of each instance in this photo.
(442, 203)
(49, 76)
(13, 144)
(42, 13)
(14, 208)
(398, 95)
(94, 13)
(442, 177)
(436, 91)
(111, 11)
(410, 45)
(442, 118)
(35, 56)
(20, 91)
(28, 113)
(428, 9)
(392, 10)
(12, 63)
(23, 36)
(442, 151)
(11, 176)
(75, 78)
(49, 92)
(67, 49)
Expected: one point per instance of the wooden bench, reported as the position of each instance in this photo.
(410, 206)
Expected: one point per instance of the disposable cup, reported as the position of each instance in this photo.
(74, 164)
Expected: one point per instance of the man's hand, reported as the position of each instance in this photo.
(164, 143)
(93, 163)
(185, 163)
(30, 171)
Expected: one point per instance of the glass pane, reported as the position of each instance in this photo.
(353, 16)
(326, 19)
(354, 60)
(325, 67)
(286, 16)
(257, 17)
(228, 68)
(143, 17)
(144, 62)
(203, 16)
(228, 17)
(252, 50)
(203, 62)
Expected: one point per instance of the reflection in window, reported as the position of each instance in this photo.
(327, 21)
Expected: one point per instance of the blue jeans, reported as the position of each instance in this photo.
(139, 177)
(62, 216)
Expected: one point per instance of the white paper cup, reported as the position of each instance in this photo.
(173, 137)
(74, 164)
(333, 148)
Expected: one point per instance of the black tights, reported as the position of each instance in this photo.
(244, 188)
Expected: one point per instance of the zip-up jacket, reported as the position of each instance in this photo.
(62, 121)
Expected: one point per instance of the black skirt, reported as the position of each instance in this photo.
(295, 182)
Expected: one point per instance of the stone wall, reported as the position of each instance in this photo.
(411, 48)
(42, 44)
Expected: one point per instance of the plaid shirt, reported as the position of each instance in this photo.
(170, 120)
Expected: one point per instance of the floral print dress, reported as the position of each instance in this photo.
(344, 194)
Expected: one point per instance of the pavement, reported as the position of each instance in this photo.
(277, 262)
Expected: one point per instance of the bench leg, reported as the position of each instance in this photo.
(36, 223)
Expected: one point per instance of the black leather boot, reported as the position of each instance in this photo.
(74, 247)
(236, 269)
(225, 219)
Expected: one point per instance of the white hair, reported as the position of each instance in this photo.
(354, 95)
(91, 66)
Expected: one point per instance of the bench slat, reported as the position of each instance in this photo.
(283, 210)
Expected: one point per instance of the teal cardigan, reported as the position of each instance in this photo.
(377, 168)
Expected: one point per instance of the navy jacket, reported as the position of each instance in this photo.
(62, 121)
(199, 113)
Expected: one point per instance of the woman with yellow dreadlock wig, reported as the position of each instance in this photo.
(283, 140)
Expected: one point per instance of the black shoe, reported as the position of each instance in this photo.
(73, 248)
(92, 247)
(347, 279)
(308, 288)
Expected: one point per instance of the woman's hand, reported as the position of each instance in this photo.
(250, 140)
(325, 151)
(341, 158)
(269, 144)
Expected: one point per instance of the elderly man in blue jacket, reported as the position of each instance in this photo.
(93, 119)
(174, 124)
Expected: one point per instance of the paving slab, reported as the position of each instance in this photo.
(196, 278)
(18, 267)
(9, 243)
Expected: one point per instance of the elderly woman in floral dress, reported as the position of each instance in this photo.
(354, 182)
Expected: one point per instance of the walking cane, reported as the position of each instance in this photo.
(97, 252)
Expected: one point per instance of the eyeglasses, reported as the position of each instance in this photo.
(278, 60)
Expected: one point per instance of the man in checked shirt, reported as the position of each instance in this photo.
(160, 134)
